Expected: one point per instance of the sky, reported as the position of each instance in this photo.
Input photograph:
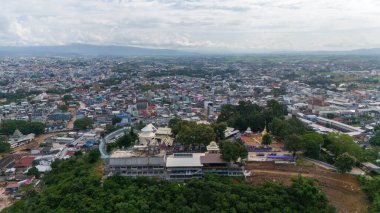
(205, 25)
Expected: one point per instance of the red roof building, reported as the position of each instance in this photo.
(24, 162)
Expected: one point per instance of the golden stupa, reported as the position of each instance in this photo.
(264, 132)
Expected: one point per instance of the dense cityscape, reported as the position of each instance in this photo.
(250, 119)
(189, 106)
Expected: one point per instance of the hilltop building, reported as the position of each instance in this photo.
(18, 139)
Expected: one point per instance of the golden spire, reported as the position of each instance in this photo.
(264, 132)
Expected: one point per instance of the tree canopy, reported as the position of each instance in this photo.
(282, 128)
(345, 162)
(63, 107)
(266, 140)
(312, 143)
(83, 123)
(294, 143)
(375, 140)
(339, 143)
(219, 129)
(190, 133)
(8, 127)
(4, 147)
(127, 140)
(309, 143)
(251, 115)
(232, 151)
(116, 120)
(34, 172)
(74, 186)
(372, 188)
(67, 98)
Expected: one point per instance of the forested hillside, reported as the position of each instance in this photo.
(75, 185)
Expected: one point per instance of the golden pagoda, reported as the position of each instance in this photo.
(264, 132)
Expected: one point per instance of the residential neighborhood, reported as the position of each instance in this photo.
(178, 118)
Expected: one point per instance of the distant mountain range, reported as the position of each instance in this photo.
(87, 50)
(373, 51)
(113, 50)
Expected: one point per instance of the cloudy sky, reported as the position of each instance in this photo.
(234, 25)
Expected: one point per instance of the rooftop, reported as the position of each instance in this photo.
(212, 158)
(24, 161)
(164, 131)
(184, 160)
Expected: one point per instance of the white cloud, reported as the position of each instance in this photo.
(239, 25)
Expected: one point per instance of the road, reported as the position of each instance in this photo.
(107, 138)
(321, 164)
(333, 180)
(70, 124)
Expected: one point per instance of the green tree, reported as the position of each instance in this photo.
(219, 129)
(308, 195)
(76, 179)
(83, 123)
(67, 98)
(282, 128)
(340, 143)
(375, 140)
(116, 120)
(372, 188)
(78, 153)
(376, 128)
(195, 134)
(232, 151)
(276, 109)
(176, 124)
(266, 140)
(110, 128)
(8, 127)
(4, 147)
(173, 122)
(140, 125)
(133, 135)
(245, 115)
(294, 143)
(63, 107)
(127, 140)
(34, 172)
(312, 143)
(345, 162)
(278, 91)
(93, 156)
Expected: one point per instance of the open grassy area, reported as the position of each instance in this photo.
(343, 190)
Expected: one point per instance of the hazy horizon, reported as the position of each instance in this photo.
(194, 25)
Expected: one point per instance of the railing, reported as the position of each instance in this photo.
(322, 163)
(105, 140)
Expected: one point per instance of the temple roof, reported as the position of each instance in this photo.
(17, 134)
(213, 146)
(248, 131)
(149, 128)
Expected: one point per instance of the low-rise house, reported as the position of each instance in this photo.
(24, 162)
(133, 164)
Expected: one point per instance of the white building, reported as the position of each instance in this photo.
(183, 166)
(147, 136)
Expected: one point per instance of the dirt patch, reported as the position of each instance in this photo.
(98, 169)
(342, 190)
